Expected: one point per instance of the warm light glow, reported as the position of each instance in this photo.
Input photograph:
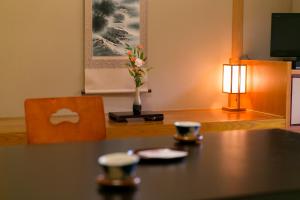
(227, 78)
(243, 79)
(234, 79)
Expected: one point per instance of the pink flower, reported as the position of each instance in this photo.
(139, 62)
(129, 53)
(133, 59)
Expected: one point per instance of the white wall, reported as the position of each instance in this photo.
(296, 6)
(41, 53)
(257, 25)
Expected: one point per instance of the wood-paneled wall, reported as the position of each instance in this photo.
(268, 86)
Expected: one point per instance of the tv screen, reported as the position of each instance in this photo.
(285, 35)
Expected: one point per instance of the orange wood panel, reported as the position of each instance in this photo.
(267, 86)
(288, 99)
(40, 129)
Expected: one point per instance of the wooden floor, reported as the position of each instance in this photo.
(13, 131)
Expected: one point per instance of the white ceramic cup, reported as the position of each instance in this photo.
(118, 165)
(187, 129)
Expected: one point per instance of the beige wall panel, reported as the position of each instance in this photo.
(296, 6)
(41, 53)
(257, 25)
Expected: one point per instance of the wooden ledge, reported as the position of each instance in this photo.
(211, 120)
(12, 130)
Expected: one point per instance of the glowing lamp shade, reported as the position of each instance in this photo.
(234, 79)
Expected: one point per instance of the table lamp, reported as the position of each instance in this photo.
(234, 83)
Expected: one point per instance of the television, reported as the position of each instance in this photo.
(285, 35)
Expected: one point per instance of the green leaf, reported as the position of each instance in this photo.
(139, 82)
(131, 73)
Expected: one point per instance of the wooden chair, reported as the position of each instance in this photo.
(41, 129)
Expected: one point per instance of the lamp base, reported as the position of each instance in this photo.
(233, 109)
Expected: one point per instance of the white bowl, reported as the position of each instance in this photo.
(118, 165)
(187, 129)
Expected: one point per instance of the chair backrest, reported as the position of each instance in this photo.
(41, 128)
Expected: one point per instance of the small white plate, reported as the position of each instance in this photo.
(161, 153)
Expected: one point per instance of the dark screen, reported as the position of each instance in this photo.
(285, 35)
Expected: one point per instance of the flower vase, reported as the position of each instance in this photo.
(137, 103)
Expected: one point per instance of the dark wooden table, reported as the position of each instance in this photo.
(233, 165)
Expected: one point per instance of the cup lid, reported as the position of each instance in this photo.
(117, 159)
(187, 124)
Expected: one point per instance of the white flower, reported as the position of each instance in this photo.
(139, 62)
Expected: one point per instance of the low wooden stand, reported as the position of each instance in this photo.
(124, 116)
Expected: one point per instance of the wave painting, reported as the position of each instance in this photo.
(115, 23)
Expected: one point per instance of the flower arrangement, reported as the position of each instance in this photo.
(136, 64)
